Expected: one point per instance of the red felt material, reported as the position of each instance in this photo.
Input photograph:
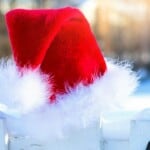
(59, 41)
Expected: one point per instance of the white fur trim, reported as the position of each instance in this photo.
(20, 93)
(80, 108)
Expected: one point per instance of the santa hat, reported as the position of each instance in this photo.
(58, 79)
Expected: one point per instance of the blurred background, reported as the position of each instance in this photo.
(122, 28)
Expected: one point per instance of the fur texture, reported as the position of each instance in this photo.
(24, 101)
(21, 92)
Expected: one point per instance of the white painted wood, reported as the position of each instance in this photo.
(115, 130)
(115, 144)
(140, 134)
(3, 135)
(84, 139)
(116, 125)
(136, 135)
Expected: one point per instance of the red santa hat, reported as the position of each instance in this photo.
(58, 79)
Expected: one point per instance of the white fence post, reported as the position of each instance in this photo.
(3, 135)
(140, 131)
(86, 139)
(115, 130)
(115, 144)
(140, 134)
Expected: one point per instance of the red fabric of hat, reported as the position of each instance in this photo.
(60, 42)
